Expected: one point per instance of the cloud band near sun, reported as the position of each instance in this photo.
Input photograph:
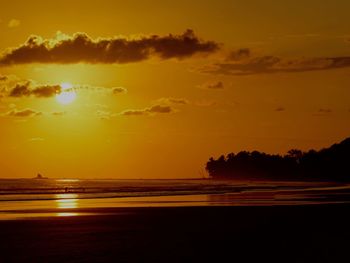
(80, 48)
(24, 90)
(151, 110)
(13, 87)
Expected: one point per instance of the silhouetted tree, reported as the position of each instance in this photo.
(328, 164)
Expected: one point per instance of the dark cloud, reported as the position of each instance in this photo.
(160, 109)
(46, 91)
(25, 90)
(152, 110)
(212, 86)
(118, 90)
(134, 112)
(3, 78)
(21, 90)
(23, 113)
(243, 63)
(80, 48)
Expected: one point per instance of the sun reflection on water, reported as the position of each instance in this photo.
(67, 214)
(66, 201)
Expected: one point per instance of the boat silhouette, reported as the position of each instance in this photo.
(39, 176)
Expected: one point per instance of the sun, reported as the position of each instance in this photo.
(67, 94)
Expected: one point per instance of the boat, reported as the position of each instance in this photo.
(39, 176)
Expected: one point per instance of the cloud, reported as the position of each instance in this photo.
(25, 90)
(242, 62)
(58, 113)
(104, 115)
(27, 112)
(147, 111)
(160, 109)
(119, 90)
(99, 106)
(36, 139)
(3, 78)
(212, 86)
(20, 90)
(46, 91)
(14, 23)
(239, 54)
(279, 109)
(80, 48)
(23, 113)
(324, 111)
(12, 86)
(180, 101)
(133, 112)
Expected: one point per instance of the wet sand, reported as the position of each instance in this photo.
(312, 233)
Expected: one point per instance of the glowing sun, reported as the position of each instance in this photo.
(67, 94)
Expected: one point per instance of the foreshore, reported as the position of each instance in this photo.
(311, 233)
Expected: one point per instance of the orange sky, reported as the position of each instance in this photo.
(133, 89)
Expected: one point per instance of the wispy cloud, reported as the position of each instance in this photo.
(239, 54)
(104, 115)
(58, 113)
(36, 139)
(28, 112)
(179, 101)
(324, 111)
(244, 62)
(219, 85)
(14, 23)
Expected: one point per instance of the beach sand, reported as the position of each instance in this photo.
(313, 233)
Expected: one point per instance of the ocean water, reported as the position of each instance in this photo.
(52, 189)
(31, 197)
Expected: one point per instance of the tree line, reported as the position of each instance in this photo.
(331, 163)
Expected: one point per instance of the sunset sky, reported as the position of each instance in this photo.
(152, 89)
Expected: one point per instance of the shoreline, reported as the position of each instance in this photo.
(70, 206)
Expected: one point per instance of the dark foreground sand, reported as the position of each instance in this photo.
(319, 233)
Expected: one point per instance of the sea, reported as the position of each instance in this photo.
(28, 197)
